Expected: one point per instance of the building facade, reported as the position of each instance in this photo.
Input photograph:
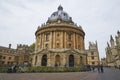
(113, 51)
(93, 54)
(7, 56)
(10, 56)
(59, 42)
(23, 55)
(103, 61)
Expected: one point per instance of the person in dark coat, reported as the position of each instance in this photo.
(101, 68)
(14, 69)
(98, 67)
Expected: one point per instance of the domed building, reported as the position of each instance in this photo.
(59, 42)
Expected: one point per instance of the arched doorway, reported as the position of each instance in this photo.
(57, 60)
(71, 61)
(44, 60)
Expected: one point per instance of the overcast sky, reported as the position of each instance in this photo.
(19, 19)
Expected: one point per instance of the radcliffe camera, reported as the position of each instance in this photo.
(52, 40)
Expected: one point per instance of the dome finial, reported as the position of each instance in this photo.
(60, 7)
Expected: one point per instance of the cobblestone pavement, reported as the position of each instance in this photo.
(109, 74)
(50, 76)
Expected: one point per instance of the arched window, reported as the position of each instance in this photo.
(69, 45)
(69, 37)
(44, 60)
(47, 37)
(46, 45)
(58, 34)
(92, 53)
(58, 45)
(71, 61)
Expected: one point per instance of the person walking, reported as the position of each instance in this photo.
(98, 67)
(93, 68)
(101, 68)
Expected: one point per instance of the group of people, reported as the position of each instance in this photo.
(15, 69)
(99, 68)
(12, 69)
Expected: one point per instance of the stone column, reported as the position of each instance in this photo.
(65, 40)
(48, 59)
(43, 40)
(50, 40)
(77, 41)
(33, 60)
(39, 60)
(64, 60)
(40, 41)
(74, 40)
(54, 40)
(62, 39)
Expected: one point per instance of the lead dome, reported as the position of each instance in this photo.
(60, 14)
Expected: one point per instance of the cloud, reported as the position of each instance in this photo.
(20, 19)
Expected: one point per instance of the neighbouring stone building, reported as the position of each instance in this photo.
(113, 51)
(59, 42)
(93, 54)
(103, 61)
(10, 56)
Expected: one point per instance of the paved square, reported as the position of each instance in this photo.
(49, 76)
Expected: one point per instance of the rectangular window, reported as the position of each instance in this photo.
(93, 63)
(4, 57)
(69, 37)
(10, 58)
(3, 62)
(92, 57)
(69, 45)
(8, 62)
(58, 45)
(46, 45)
(11, 62)
(47, 37)
(92, 53)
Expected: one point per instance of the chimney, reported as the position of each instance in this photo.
(9, 46)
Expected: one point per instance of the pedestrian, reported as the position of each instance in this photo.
(14, 68)
(88, 67)
(101, 68)
(93, 68)
(98, 67)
